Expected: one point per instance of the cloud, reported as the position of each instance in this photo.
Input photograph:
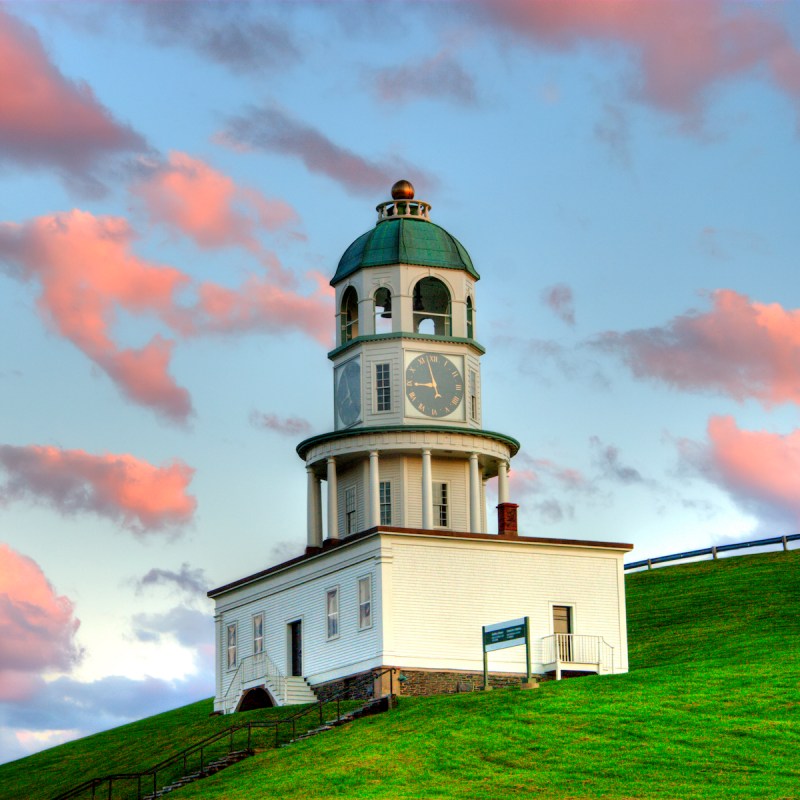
(288, 426)
(37, 627)
(232, 34)
(131, 492)
(559, 300)
(188, 626)
(439, 76)
(680, 58)
(48, 121)
(741, 348)
(193, 198)
(760, 471)
(613, 130)
(87, 272)
(87, 707)
(607, 460)
(272, 130)
(191, 581)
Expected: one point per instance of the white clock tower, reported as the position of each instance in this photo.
(404, 574)
(408, 449)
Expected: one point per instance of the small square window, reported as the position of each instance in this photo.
(332, 608)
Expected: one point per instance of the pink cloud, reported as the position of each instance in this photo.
(760, 470)
(560, 301)
(46, 120)
(195, 199)
(288, 426)
(87, 272)
(138, 495)
(741, 348)
(683, 51)
(272, 130)
(37, 627)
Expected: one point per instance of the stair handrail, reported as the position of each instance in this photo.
(152, 771)
(270, 672)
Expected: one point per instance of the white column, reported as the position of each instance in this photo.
(313, 510)
(374, 491)
(502, 482)
(333, 501)
(427, 491)
(474, 494)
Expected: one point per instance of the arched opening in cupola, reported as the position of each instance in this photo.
(348, 315)
(470, 320)
(431, 306)
(383, 310)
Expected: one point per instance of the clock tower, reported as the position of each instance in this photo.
(407, 449)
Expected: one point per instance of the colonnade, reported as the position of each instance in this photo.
(314, 499)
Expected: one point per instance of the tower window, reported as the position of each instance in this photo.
(364, 603)
(348, 315)
(332, 612)
(440, 505)
(470, 320)
(386, 502)
(350, 510)
(258, 634)
(383, 310)
(431, 304)
(383, 387)
(232, 646)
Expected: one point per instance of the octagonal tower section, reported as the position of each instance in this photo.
(407, 449)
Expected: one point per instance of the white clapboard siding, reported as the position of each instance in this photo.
(443, 592)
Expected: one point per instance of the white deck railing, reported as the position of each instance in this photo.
(258, 667)
(565, 649)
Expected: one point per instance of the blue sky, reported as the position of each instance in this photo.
(179, 181)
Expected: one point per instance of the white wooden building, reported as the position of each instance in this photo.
(405, 573)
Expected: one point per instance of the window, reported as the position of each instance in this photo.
(383, 387)
(348, 315)
(364, 603)
(350, 510)
(440, 517)
(385, 490)
(470, 320)
(473, 394)
(332, 604)
(431, 305)
(258, 634)
(383, 310)
(231, 646)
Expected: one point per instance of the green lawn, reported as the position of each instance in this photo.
(710, 709)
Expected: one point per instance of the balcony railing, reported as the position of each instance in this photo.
(258, 667)
(571, 650)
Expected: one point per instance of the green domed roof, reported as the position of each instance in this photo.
(405, 241)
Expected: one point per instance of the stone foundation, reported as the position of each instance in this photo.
(417, 683)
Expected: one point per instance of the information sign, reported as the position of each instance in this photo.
(511, 633)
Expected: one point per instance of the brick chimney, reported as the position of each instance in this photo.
(507, 520)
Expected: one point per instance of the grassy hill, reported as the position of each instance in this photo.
(710, 709)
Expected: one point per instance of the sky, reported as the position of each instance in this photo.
(178, 181)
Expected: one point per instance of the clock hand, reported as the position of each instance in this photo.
(432, 385)
(435, 387)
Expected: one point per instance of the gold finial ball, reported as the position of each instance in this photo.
(403, 190)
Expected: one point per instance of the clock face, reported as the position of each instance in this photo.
(348, 393)
(434, 385)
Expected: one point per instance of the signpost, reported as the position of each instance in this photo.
(512, 633)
